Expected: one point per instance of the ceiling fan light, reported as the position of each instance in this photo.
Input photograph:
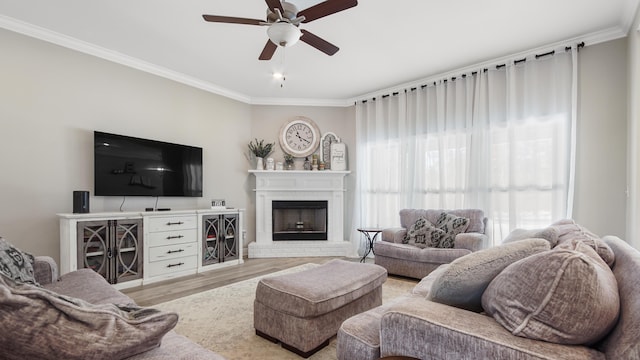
(283, 33)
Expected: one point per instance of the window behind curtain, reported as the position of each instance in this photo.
(499, 141)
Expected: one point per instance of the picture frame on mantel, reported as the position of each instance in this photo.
(338, 156)
(325, 148)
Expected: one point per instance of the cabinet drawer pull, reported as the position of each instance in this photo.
(172, 265)
(175, 251)
(175, 237)
(175, 223)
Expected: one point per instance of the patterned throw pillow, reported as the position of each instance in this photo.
(452, 225)
(423, 234)
(16, 264)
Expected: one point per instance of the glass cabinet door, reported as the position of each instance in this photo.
(210, 243)
(93, 247)
(230, 251)
(128, 249)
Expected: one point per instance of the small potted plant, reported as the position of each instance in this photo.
(288, 161)
(260, 150)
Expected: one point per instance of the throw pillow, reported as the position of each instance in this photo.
(569, 231)
(560, 296)
(462, 283)
(452, 225)
(423, 234)
(550, 234)
(15, 264)
(40, 324)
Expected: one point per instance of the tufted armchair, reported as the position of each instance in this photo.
(404, 259)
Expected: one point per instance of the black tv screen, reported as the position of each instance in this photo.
(129, 166)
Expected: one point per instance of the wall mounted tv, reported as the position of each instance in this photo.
(129, 166)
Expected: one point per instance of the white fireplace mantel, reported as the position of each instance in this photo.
(275, 185)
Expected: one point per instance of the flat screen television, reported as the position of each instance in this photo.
(129, 166)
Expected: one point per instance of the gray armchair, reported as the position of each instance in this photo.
(407, 260)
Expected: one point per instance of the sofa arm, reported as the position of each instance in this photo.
(471, 241)
(45, 270)
(419, 328)
(394, 235)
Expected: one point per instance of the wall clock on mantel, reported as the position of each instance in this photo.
(299, 137)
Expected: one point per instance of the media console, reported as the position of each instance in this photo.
(135, 248)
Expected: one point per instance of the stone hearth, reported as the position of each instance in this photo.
(294, 185)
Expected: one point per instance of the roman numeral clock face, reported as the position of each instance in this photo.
(300, 137)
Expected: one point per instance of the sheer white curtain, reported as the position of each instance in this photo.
(500, 140)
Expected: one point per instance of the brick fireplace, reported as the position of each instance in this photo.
(299, 213)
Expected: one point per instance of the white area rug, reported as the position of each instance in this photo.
(222, 319)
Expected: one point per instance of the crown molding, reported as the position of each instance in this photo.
(613, 33)
(114, 56)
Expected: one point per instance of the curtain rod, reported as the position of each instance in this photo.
(453, 78)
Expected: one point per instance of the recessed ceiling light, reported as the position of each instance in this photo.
(277, 75)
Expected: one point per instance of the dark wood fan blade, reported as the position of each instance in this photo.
(275, 4)
(267, 52)
(326, 8)
(231, 20)
(319, 43)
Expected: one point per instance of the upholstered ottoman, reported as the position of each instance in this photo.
(304, 310)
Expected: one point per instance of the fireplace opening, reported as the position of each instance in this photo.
(299, 220)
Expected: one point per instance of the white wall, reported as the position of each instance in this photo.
(51, 101)
(600, 193)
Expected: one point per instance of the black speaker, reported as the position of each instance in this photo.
(80, 202)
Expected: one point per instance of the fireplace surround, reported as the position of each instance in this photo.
(297, 187)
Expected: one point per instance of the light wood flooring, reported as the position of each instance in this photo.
(152, 294)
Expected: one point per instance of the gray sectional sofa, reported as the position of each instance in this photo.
(513, 301)
(73, 317)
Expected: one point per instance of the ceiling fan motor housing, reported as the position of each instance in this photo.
(290, 12)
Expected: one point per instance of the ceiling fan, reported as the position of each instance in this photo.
(284, 19)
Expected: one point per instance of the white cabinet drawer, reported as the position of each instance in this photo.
(159, 253)
(171, 223)
(172, 237)
(169, 266)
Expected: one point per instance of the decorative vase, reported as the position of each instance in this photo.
(259, 163)
(270, 164)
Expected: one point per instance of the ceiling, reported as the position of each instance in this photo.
(383, 44)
